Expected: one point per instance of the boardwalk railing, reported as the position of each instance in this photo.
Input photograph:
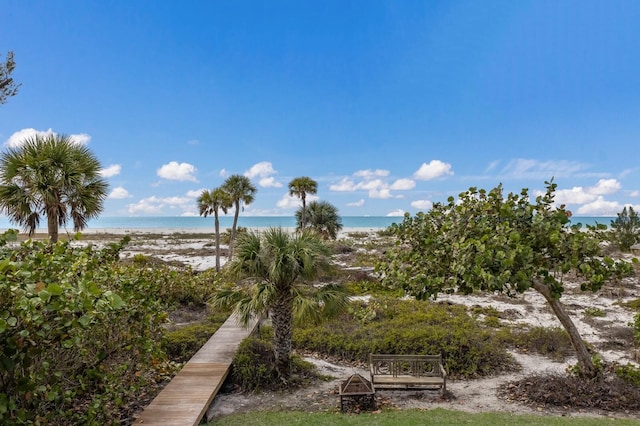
(185, 400)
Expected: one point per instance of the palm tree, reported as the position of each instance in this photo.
(276, 264)
(52, 176)
(300, 187)
(212, 202)
(322, 217)
(241, 191)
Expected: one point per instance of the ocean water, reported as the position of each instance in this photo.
(251, 222)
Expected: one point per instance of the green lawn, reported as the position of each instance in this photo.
(436, 416)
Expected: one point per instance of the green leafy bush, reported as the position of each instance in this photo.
(254, 365)
(79, 334)
(552, 342)
(373, 288)
(409, 327)
(181, 344)
(625, 229)
(630, 373)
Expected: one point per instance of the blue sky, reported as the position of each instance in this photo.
(388, 105)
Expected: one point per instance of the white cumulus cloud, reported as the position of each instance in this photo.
(370, 174)
(119, 193)
(177, 171)
(262, 169)
(162, 205)
(383, 193)
(600, 207)
(403, 184)
(269, 182)
(18, 138)
(435, 169)
(635, 193)
(265, 171)
(289, 202)
(110, 171)
(422, 204)
(358, 203)
(395, 213)
(344, 185)
(575, 195)
(195, 193)
(605, 187)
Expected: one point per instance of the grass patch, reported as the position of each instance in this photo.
(436, 416)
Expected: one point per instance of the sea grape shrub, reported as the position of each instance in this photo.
(625, 229)
(79, 334)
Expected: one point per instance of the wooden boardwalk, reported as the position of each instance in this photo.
(186, 398)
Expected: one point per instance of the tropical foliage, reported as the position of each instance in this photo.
(625, 230)
(486, 242)
(78, 335)
(51, 176)
(8, 86)
(277, 268)
(322, 217)
(300, 187)
(212, 202)
(241, 192)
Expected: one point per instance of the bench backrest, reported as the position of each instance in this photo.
(406, 365)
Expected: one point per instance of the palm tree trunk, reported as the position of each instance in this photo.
(52, 227)
(217, 226)
(232, 239)
(587, 367)
(304, 211)
(282, 320)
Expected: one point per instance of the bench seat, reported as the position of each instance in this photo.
(407, 371)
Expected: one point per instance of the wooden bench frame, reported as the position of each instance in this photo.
(407, 371)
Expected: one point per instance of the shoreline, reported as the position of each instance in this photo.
(177, 231)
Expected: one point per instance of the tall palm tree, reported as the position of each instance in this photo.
(300, 187)
(276, 265)
(211, 202)
(52, 176)
(241, 192)
(322, 217)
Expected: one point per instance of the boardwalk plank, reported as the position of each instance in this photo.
(186, 398)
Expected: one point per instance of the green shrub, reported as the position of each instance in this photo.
(553, 342)
(409, 327)
(625, 229)
(254, 365)
(373, 288)
(630, 373)
(181, 344)
(594, 312)
(79, 334)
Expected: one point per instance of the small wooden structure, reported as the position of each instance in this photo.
(407, 371)
(359, 390)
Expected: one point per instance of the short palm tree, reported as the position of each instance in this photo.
(322, 217)
(300, 187)
(212, 202)
(241, 192)
(276, 266)
(51, 176)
